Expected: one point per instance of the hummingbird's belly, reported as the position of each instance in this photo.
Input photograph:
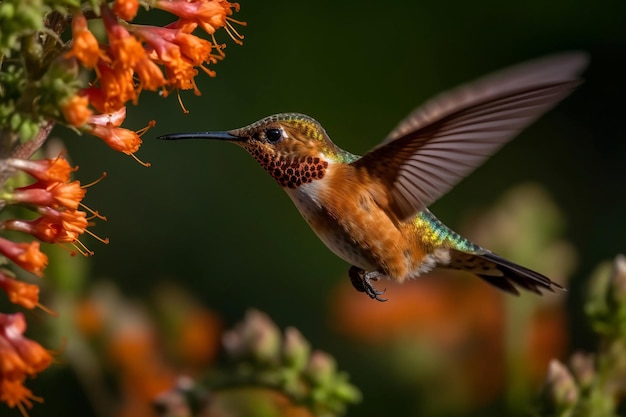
(358, 231)
(332, 234)
(344, 246)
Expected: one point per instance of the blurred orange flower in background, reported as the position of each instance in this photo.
(459, 318)
(146, 353)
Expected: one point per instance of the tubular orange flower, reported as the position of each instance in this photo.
(36, 358)
(126, 50)
(210, 15)
(85, 46)
(43, 229)
(45, 170)
(195, 48)
(26, 255)
(19, 357)
(66, 194)
(162, 40)
(21, 293)
(76, 110)
(116, 88)
(71, 220)
(118, 138)
(179, 53)
(14, 393)
(106, 128)
(11, 365)
(33, 354)
(181, 74)
(56, 194)
(126, 9)
(150, 75)
(57, 226)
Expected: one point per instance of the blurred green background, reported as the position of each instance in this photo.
(208, 218)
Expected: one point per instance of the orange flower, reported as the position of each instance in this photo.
(116, 87)
(71, 220)
(44, 229)
(66, 194)
(196, 49)
(144, 374)
(446, 313)
(19, 357)
(126, 50)
(85, 46)
(11, 365)
(199, 335)
(90, 318)
(35, 358)
(163, 40)
(118, 138)
(462, 322)
(56, 194)
(181, 75)
(21, 293)
(14, 393)
(179, 68)
(546, 339)
(26, 255)
(210, 15)
(33, 354)
(126, 9)
(44, 170)
(76, 110)
(150, 75)
(106, 128)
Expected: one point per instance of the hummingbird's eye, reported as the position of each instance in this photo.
(273, 135)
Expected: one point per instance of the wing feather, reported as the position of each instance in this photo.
(443, 141)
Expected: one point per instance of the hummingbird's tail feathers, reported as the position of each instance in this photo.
(501, 273)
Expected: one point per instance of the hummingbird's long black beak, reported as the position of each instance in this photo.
(203, 135)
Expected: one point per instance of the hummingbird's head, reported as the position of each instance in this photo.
(293, 148)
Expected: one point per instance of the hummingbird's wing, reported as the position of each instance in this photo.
(443, 141)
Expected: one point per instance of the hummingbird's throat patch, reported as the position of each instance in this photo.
(291, 171)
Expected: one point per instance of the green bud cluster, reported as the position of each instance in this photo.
(285, 362)
(19, 18)
(35, 78)
(594, 384)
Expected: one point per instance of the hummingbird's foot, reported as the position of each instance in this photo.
(361, 281)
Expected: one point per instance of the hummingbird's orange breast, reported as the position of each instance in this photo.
(348, 211)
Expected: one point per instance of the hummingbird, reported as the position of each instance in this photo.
(372, 210)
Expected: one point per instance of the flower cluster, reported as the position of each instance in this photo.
(19, 358)
(132, 61)
(84, 84)
(57, 201)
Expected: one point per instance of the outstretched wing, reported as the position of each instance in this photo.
(443, 141)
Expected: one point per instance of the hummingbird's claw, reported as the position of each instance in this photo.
(361, 281)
